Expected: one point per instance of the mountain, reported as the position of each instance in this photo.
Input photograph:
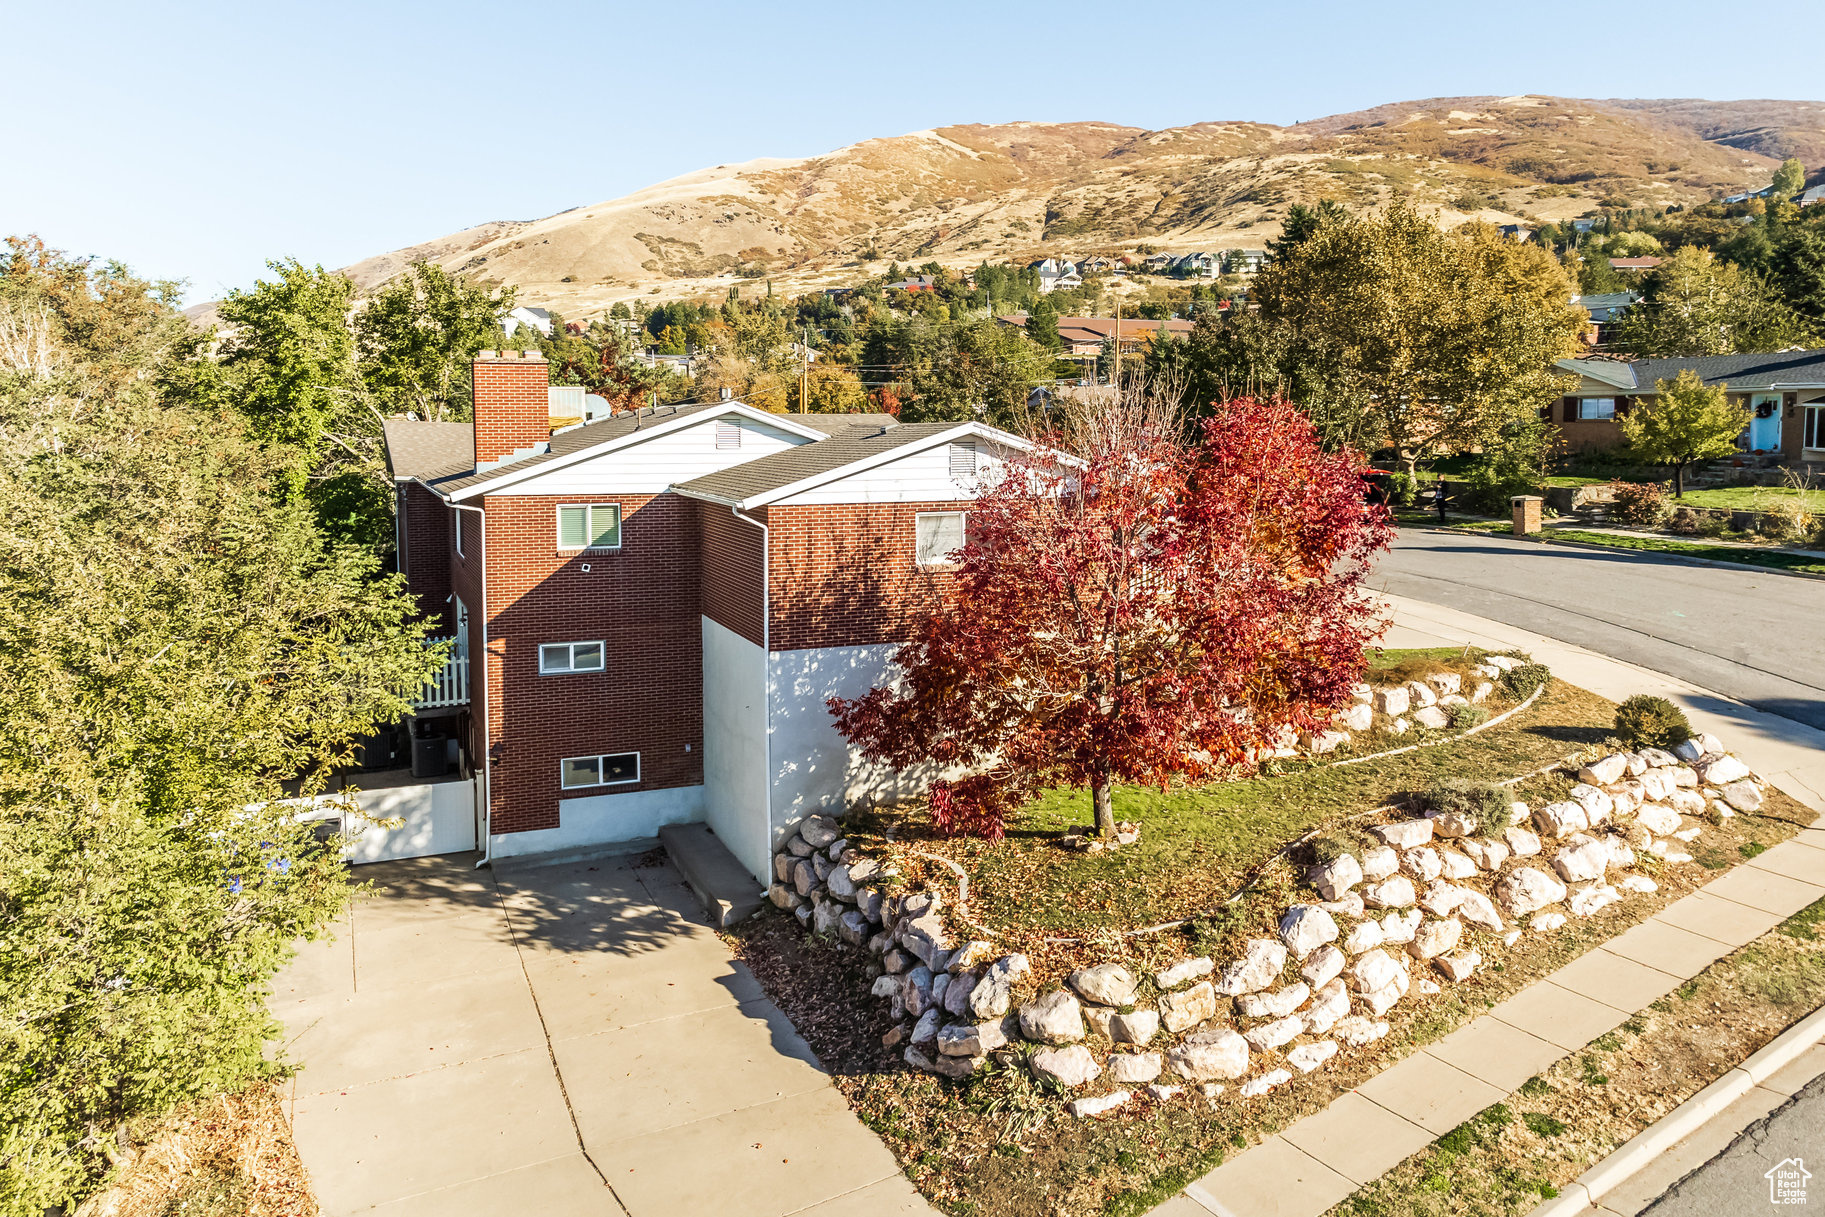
(958, 195)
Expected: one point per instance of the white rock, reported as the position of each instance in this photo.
(1165, 1094)
(1054, 1018)
(1458, 965)
(1425, 987)
(1305, 927)
(1561, 819)
(1685, 777)
(1326, 962)
(1338, 877)
(1098, 1105)
(1108, 984)
(1456, 865)
(1307, 1057)
(1699, 747)
(1743, 796)
(1099, 1019)
(1422, 864)
(1272, 1035)
(1658, 819)
(1440, 898)
(1329, 1004)
(1399, 726)
(1445, 682)
(1258, 968)
(1392, 702)
(1723, 771)
(1511, 937)
(1620, 855)
(1183, 971)
(1135, 1027)
(1687, 802)
(1135, 1066)
(1451, 825)
(1657, 784)
(1520, 842)
(1363, 936)
(1527, 889)
(1398, 928)
(1479, 910)
(1379, 980)
(1421, 693)
(1436, 935)
(1587, 901)
(1355, 1031)
(994, 991)
(1517, 812)
(1188, 1007)
(1641, 885)
(1484, 854)
(1362, 694)
(1502, 663)
(1256, 1087)
(1432, 718)
(1404, 834)
(1350, 906)
(1686, 836)
(1481, 692)
(1278, 1004)
(1612, 768)
(1581, 860)
(1215, 1054)
(971, 1039)
(818, 831)
(1395, 893)
(1597, 805)
(1359, 717)
(1072, 1066)
(1380, 862)
(972, 955)
(1325, 741)
(1546, 923)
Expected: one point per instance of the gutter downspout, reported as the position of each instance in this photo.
(481, 560)
(766, 663)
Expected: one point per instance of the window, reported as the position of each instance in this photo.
(1596, 408)
(963, 459)
(557, 657)
(597, 526)
(940, 536)
(728, 433)
(614, 769)
(1815, 426)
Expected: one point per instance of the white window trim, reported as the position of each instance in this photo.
(944, 565)
(1815, 414)
(571, 648)
(598, 758)
(557, 521)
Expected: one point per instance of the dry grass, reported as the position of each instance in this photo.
(230, 1156)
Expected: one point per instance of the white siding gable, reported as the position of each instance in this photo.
(924, 476)
(654, 465)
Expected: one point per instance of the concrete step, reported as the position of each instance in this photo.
(721, 884)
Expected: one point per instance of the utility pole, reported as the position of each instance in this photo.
(1116, 380)
(804, 377)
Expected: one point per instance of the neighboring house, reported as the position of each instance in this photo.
(915, 283)
(1605, 309)
(1204, 266)
(538, 318)
(1244, 261)
(1584, 224)
(1635, 265)
(1812, 195)
(1785, 392)
(658, 605)
(1084, 336)
(1055, 273)
(1516, 232)
(1095, 266)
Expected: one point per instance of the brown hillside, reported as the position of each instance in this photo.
(962, 194)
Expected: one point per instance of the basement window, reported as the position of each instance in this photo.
(728, 434)
(596, 526)
(1590, 408)
(940, 534)
(612, 769)
(556, 658)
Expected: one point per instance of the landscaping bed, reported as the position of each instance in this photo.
(1000, 1138)
(1572, 1116)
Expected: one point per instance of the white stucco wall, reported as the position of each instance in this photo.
(735, 746)
(813, 767)
(605, 819)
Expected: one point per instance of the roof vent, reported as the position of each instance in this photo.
(727, 393)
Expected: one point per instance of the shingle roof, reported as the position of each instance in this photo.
(428, 450)
(1744, 372)
(739, 483)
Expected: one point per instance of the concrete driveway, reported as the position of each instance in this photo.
(568, 1040)
(1750, 635)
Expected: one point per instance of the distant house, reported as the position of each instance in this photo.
(1516, 232)
(1584, 224)
(1083, 337)
(1244, 261)
(537, 318)
(1785, 393)
(915, 283)
(1605, 308)
(1158, 261)
(1635, 265)
(1055, 273)
(1815, 194)
(1095, 266)
(1199, 266)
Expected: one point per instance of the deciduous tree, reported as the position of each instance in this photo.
(1689, 421)
(1695, 304)
(1134, 609)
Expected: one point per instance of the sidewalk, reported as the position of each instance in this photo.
(567, 1040)
(1320, 1160)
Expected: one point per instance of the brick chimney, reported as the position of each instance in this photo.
(512, 405)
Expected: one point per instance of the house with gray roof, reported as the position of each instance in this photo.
(1784, 392)
(650, 611)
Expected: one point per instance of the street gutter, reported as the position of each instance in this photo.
(1667, 554)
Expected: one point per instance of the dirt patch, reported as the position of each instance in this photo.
(230, 1156)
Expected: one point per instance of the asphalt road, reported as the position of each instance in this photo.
(1756, 637)
(1736, 1183)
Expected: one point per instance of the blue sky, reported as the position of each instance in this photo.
(197, 140)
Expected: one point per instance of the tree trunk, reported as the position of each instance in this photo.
(1679, 480)
(1102, 799)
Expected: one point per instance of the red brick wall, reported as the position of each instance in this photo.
(424, 531)
(732, 573)
(642, 601)
(512, 405)
(846, 575)
(465, 580)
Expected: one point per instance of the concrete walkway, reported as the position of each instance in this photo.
(567, 1040)
(1320, 1160)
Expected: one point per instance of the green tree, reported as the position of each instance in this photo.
(1042, 325)
(416, 340)
(1302, 222)
(1694, 304)
(1797, 270)
(1689, 421)
(1789, 179)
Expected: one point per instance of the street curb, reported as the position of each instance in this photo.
(1582, 1195)
(1665, 555)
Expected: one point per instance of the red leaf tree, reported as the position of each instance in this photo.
(1139, 609)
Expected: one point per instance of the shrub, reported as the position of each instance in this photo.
(1640, 503)
(1523, 680)
(1403, 490)
(1485, 802)
(1643, 721)
(1464, 715)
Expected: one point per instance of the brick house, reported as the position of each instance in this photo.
(652, 609)
(1785, 393)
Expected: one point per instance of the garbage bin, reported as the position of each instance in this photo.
(430, 756)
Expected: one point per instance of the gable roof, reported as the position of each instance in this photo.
(780, 474)
(1748, 373)
(575, 444)
(428, 450)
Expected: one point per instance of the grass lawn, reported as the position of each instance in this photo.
(1200, 843)
(1752, 498)
(1773, 558)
